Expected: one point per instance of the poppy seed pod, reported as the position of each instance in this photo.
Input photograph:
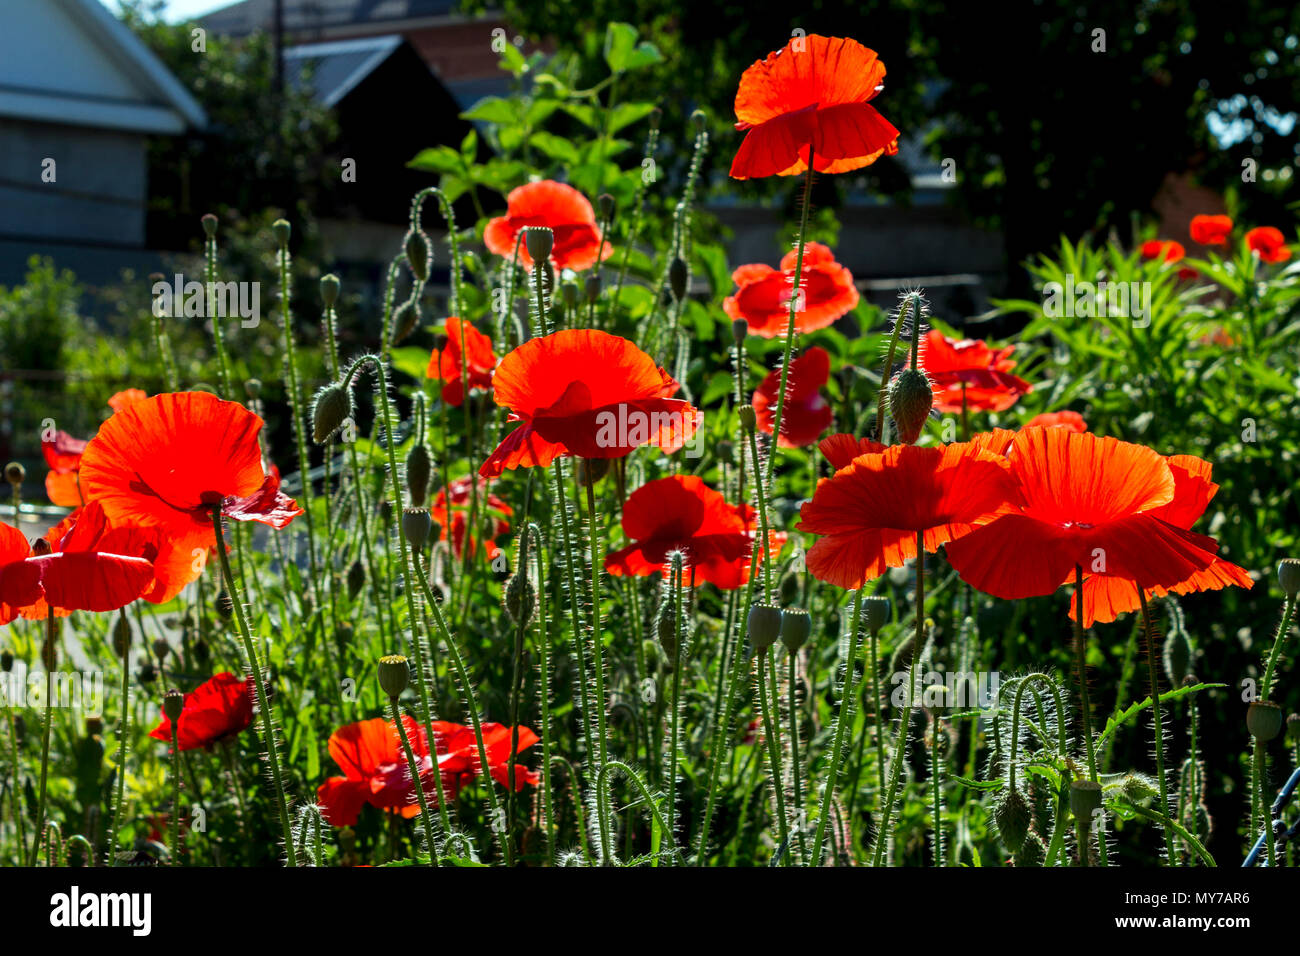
(592, 469)
(739, 329)
(161, 649)
(41, 547)
(418, 468)
(796, 627)
(678, 278)
(1264, 720)
(764, 626)
(209, 225)
(417, 255)
(591, 287)
(606, 203)
(15, 473)
(147, 673)
(122, 637)
(333, 406)
(748, 418)
(910, 400)
(253, 388)
(356, 579)
(394, 674)
(94, 725)
(1288, 575)
(281, 230)
(570, 292)
(875, 612)
(520, 598)
(1085, 799)
(329, 289)
(539, 241)
(416, 527)
(1012, 816)
(173, 705)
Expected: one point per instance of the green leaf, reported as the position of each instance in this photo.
(493, 109)
(412, 360)
(556, 147)
(440, 159)
(623, 53)
(625, 114)
(512, 60)
(469, 146)
(1133, 710)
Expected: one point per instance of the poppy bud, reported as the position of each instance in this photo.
(875, 612)
(1288, 575)
(161, 649)
(329, 289)
(394, 675)
(748, 418)
(418, 467)
(570, 292)
(726, 452)
(606, 203)
(1292, 728)
(41, 547)
(592, 470)
(910, 401)
(520, 598)
(591, 287)
(417, 255)
(225, 605)
(6, 660)
(209, 225)
(280, 229)
(739, 329)
(343, 635)
(253, 388)
(1033, 853)
(356, 579)
(1012, 815)
(700, 119)
(416, 526)
(1085, 799)
(1137, 789)
(202, 653)
(122, 637)
(796, 626)
(1177, 656)
(94, 725)
(666, 626)
(539, 241)
(147, 673)
(15, 473)
(678, 277)
(789, 588)
(764, 626)
(333, 406)
(1264, 720)
(173, 705)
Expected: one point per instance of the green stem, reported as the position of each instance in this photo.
(842, 721)
(174, 843)
(45, 737)
(425, 817)
(1085, 704)
(1156, 720)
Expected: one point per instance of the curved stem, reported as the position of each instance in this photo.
(414, 769)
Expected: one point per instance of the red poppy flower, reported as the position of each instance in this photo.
(166, 462)
(1166, 250)
(681, 513)
(126, 398)
(763, 294)
(20, 583)
(453, 527)
(444, 364)
(840, 449)
(1105, 596)
(871, 510)
(1211, 230)
(812, 93)
(63, 458)
(220, 707)
(371, 756)
(970, 368)
(587, 393)
(1087, 501)
(1062, 419)
(558, 207)
(1269, 243)
(806, 414)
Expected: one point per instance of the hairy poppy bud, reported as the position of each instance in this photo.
(253, 388)
(1085, 799)
(394, 675)
(416, 526)
(726, 452)
(147, 673)
(1012, 815)
(1264, 720)
(666, 626)
(1293, 728)
(1032, 853)
(94, 725)
(520, 598)
(1288, 575)
(789, 588)
(796, 626)
(1137, 788)
(418, 468)
(225, 604)
(356, 579)
(329, 289)
(281, 230)
(173, 706)
(1177, 655)
(591, 287)
(748, 418)
(592, 470)
(875, 612)
(700, 119)
(417, 255)
(764, 626)
(678, 277)
(910, 401)
(209, 225)
(15, 473)
(739, 329)
(539, 241)
(333, 406)
(606, 203)
(6, 660)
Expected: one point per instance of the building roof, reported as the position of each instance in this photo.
(73, 62)
(332, 70)
(309, 16)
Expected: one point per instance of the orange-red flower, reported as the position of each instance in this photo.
(63, 458)
(971, 371)
(1268, 243)
(454, 519)
(1087, 502)
(164, 463)
(587, 393)
(762, 296)
(558, 207)
(126, 398)
(1062, 419)
(806, 414)
(463, 341)
(811, 94)
(872, 509)
(1211, 230)
(220, 707)
(375, 770)
(681, 513)
(1166, 250)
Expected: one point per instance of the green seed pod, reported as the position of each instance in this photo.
(1293, 728)
(333, 407)
(122, 637)
(764, 626)
(281, 230)
(1012, 815)
(417, 255)
(591, 287)
(739, 329)
(416, 526)
(570, 292)
(796, 627)
(592, 469)
(748, 417)
(910, 401)
(209, 225)
(418, 468)
(15, 473)
(606, 204)
(356, 579)
(173, 705)
(394, 675)
(1085, 799)
(875, 612)
(700, 119)
(1033, 852)
(539, 242)
(1264, 720)
(726, 452)
(253, 388)
(678, 277)
(225, 605)
(161, 649)
(1288, 575)
(520, 598)
(1177, 656)
(329, 289)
